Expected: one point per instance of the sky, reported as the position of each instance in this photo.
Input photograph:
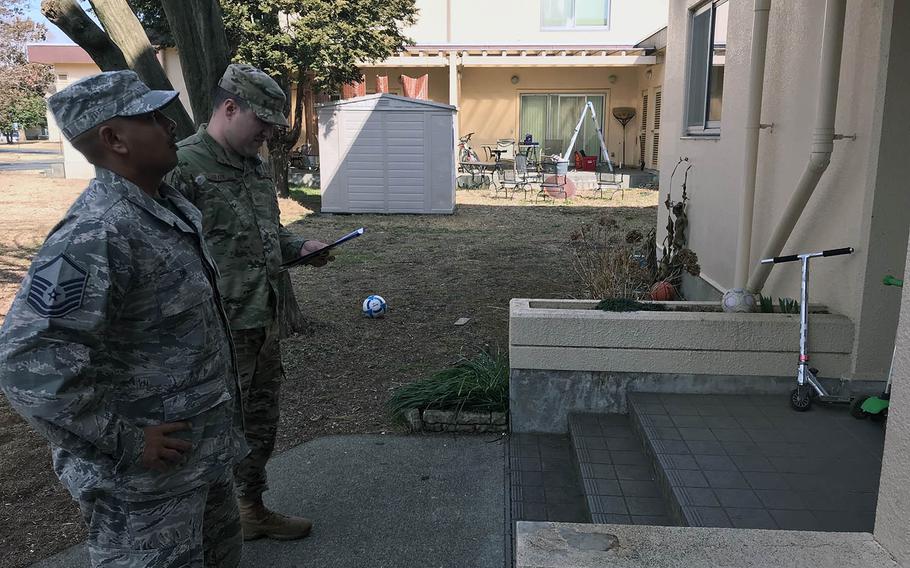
(54, 35)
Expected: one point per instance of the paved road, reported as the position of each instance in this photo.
(14, 149)
(28, 166)
(383, 502)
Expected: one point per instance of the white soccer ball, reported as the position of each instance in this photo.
(374, 306)
(739, 301)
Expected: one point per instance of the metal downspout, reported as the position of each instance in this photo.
(822, 138)
(761, 13)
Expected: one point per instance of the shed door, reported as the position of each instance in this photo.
(406, 147)
(363, 160)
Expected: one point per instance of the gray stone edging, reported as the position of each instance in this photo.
(433, 420)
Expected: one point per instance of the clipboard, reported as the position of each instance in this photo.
(308, 257)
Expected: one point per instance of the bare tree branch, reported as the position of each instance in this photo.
(127, 33)
(69, 16)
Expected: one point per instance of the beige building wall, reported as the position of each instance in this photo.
(892, 515)
(490, 102)
(519, 22)
(893, 511)
(838, 212)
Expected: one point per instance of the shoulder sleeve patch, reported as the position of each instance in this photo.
(57, 288)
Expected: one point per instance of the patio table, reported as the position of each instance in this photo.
(482, 168)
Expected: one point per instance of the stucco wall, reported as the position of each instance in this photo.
(893, 512)
(892, 515)
(518, 21)
(835, 215)
(489, 103)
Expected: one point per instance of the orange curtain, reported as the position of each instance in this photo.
(351, 90)
(382, 83)
(416, 87)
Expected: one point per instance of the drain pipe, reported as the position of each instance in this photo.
(822, 138)
(760, 15)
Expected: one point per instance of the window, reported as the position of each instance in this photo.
(574, 14)
(707, 57)
(551, 120)
(62, 76)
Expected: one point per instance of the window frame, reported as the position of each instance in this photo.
(707, 128)
(570, 24)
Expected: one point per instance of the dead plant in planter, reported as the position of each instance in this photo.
(676, 256)
(608, 266)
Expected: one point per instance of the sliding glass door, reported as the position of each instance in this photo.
(551, 120)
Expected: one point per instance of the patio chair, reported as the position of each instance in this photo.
(552, 183)
(516, 178)
(507, 148)
(552, 146)
(610, 180)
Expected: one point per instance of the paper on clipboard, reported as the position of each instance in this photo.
(308, 257)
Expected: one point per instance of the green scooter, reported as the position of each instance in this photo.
(876, 407)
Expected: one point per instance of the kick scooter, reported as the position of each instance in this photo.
(808, 387)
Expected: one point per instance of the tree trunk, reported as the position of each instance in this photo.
(281, 142)
(291, 318)
(125, 30)
(198, 30)
(75, 23)
(310, 118)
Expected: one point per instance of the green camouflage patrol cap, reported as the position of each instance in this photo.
(88, 102)
(258, 89)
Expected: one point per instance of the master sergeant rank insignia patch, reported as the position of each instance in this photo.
(57, 288)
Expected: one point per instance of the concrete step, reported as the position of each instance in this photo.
(620, 486)
(751, 462)
(544, 480)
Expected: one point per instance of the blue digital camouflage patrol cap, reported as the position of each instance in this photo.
(262, 93)
(88, 102)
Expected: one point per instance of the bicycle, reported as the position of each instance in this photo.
(466, 156)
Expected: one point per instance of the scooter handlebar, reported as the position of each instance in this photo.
(779, 259)
(836, 252)
(795, 257)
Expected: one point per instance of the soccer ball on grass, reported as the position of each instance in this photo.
(374, 306)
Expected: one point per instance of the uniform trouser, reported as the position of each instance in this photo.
(196, 529)
(259, 362)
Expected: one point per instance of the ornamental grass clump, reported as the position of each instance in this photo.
(479, 384)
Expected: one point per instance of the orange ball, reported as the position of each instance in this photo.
(663, 292)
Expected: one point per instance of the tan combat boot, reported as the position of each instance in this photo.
(259, 522)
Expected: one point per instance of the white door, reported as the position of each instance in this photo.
(655, 130)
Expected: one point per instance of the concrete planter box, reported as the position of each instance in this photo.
(565, 355)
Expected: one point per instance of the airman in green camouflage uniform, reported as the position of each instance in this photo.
(221, 172)
(117, 349)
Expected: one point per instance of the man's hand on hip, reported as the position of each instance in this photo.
(310, 247)
(162, 452)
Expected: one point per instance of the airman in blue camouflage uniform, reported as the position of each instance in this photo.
(117, 348)
(221, 172)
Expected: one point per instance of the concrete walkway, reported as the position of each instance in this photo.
(383, 502)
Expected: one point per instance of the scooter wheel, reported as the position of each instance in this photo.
(856, 408)
(800, 400)
(880, 417)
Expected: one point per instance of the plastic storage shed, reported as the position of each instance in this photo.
(387, 154)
